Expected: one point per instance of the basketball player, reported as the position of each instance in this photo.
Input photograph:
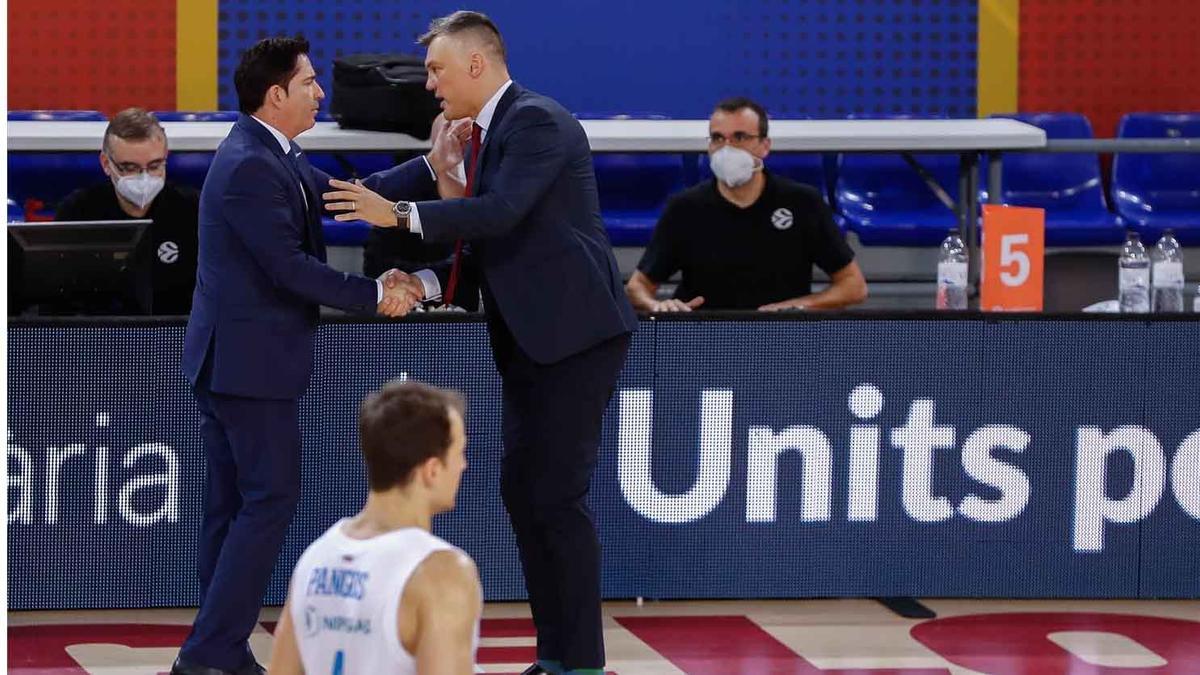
(378, 593)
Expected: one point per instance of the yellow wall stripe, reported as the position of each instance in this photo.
(999, 34)
(196, 54)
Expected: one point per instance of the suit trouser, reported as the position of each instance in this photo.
(552, 422)
(253, 452)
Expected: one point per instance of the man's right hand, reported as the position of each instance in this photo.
(401, 292)
(674, 305)
(449, 143)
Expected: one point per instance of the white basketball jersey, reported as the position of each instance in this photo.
(345, 598)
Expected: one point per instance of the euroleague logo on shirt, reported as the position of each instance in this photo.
(781, 219)
(168, 252)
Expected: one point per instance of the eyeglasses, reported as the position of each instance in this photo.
(737, 138)
(126, 168)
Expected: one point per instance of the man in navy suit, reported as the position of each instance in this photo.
(558, 318)
(248, 350)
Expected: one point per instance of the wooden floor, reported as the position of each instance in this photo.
(795, 637)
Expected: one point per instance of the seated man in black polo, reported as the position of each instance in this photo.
(134, 156)
(748, 238)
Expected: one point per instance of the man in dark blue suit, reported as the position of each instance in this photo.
(557, 314)
(248, 351)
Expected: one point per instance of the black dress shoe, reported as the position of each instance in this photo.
(251, 667)
(535, 669)
(181, 667)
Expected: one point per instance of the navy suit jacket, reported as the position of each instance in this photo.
(534, 230)
(261, 275)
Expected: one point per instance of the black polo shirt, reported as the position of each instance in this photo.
(170, 243)
(745, 258)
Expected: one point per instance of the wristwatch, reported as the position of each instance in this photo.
(401, 211)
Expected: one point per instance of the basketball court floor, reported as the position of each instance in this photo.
(844, 637)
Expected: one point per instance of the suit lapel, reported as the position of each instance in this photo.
(316, 235)
(300, 177)
(510, 95)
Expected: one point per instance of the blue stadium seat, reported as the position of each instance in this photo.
(1067, 186)
(16, 214)
(1154, 192)
(50, 176)
(188, 168)
(634, 187)
(886, 203)
(55, 116)
(351, 233)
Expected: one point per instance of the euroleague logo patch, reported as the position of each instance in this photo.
(782, 219)
(168, 252)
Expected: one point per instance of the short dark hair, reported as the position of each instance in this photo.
(400, 427)
(270, 62)
(736, 103)
(133, 124)
(461, 21)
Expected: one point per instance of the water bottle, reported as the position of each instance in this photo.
(952, 273)
(1167, 274)
(1134, 279)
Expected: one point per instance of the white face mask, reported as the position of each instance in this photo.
(141, 188)
(734, 166)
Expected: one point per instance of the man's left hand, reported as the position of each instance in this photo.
(354, 201)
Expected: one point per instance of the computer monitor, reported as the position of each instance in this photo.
(80, 267)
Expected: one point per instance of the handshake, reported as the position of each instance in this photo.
(401, 293)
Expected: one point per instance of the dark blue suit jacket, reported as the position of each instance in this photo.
(535, 231)
(262, 275)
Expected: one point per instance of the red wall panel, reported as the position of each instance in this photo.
(1108, 57)
(84, 54)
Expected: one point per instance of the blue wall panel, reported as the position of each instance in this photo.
(106, 469)
(817, 58)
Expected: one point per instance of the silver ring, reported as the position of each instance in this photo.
(353, 206)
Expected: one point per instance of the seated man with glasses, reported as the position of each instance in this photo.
(748, 238)
(134, 156)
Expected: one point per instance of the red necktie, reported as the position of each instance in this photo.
(452, 284)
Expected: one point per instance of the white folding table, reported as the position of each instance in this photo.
(965, 137)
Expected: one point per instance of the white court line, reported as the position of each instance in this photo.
(1109, 650)
(522, 641)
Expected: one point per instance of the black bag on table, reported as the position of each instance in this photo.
(383, 92)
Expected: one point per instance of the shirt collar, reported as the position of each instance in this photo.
(283, 140)
(484, 119)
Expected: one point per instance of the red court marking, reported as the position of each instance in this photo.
(45, 646)
(507, 628)
(269, 626)
(506, 655)
(722, 645)
(1016, 644)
